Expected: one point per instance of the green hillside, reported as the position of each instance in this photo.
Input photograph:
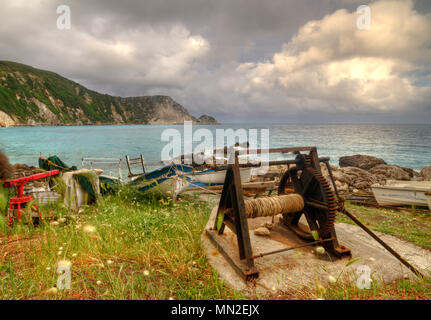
(30, 96)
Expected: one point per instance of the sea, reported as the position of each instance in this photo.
(401, 144)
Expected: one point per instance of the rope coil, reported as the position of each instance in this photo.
(272, 206)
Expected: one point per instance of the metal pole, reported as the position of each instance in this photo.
(387, 247)
(290, 248)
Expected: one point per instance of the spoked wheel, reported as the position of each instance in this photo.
(320, 209)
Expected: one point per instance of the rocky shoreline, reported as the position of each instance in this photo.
(358, 173)
(355, 174)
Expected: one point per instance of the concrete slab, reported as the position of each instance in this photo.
(299, 267)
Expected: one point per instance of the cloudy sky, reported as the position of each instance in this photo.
(238, 60)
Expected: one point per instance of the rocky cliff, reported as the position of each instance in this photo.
(29, 96)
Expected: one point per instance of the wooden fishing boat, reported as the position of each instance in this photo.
(396, 193)
(212, 177)
(428, 196)
(169, 180)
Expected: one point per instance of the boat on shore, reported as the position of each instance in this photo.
(214, 177)
(169, 180)
(398, 193)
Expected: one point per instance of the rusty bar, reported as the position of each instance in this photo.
(387, 247)
(291, 248)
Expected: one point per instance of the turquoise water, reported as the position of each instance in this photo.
(404, 145)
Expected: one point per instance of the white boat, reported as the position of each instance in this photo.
(396, 193)
(428, 196)
(217, 177)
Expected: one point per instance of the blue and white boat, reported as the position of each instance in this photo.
(169, 180)
(173, 179)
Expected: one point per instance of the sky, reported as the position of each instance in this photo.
(276, 61)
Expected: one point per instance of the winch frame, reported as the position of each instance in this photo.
(231, 213)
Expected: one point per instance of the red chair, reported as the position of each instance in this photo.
(19, 201)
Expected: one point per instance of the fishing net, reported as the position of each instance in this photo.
(53, 163)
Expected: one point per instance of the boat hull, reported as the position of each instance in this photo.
(218, 177)
(167, 180)
(402, 193)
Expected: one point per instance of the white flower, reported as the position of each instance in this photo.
(332, 279)
(146, 273)
(48, 268)
(109, 261)
(99, 282)
(74, 255)
(60, 249)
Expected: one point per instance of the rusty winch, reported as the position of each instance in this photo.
(302, 192)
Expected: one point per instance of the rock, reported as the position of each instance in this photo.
(411, 172)
(6, 120)
(268, 225)
(205, 119)
(320, 250)
(262, 231)
(426, 173)
(355, 178)
(324, 169)
(342, 187)
(360, 161)
(385, 172)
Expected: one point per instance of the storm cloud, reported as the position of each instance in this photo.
(243, 60)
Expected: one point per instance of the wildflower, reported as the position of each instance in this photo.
(273, 288)
(89, 228)
(74, 255)
(146, 273)
(48, 268)
(60, 248)
(171, 298)
(54, 223)
(99, 282)
(109, 261)
(59, 252)
(332, 279)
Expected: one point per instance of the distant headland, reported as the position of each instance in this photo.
(34, 97)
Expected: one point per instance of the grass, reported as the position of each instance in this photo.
(145, 247)
(411, 225)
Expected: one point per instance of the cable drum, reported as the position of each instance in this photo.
(272, 206)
